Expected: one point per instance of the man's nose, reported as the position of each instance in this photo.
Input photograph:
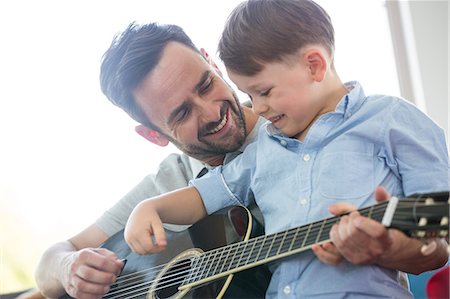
(209, 110)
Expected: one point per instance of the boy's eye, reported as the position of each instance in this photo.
(265, 93)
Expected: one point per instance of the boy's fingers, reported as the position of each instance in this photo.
(159, 234)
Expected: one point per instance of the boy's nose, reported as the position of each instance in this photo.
(259, 107)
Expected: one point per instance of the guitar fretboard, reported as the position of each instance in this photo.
(246, 254)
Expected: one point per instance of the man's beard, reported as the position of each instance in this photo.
(207, 149)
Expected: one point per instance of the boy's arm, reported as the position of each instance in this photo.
(144, 231)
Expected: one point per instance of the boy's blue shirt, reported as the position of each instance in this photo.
(366, 142)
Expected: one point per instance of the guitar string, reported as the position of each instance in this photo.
(265, 237)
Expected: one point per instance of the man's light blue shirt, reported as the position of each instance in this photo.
(366, 142)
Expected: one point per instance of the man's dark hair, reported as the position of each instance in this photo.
(266, 31)
(132, 55)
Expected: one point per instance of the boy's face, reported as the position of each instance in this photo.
(290, 93)
(186, 98)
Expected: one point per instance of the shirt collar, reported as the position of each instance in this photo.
(347, 106)
(351, 102)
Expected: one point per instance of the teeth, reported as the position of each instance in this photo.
(276, 118)
(220, 126)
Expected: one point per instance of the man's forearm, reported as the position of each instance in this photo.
(49, 271)
(405, 255)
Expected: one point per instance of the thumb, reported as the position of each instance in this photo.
(341, 208)
(381, 194)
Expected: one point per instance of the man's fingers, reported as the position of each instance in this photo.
(381, 194)
(341, 208)
(371, 227)
(327, 254)
(429, 248)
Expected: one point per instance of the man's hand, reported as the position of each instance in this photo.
(90, 272)
(327, 253)
(365, 241)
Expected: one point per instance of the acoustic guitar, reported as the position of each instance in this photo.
(229, 253)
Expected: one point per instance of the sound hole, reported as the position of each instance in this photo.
(172, 279)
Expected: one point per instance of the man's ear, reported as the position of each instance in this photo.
(151, 135)
(317, 63)
(210, 61)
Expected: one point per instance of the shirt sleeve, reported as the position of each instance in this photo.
(229, 184)
(416, 150)
(174, 172)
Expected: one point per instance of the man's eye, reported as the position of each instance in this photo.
(206, 87)
(182, 115)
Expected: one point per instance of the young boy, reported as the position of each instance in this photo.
(325, 142)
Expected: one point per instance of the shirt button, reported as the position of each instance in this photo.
(306, 158)
(287, 290)
(283, 142)
(303, 201)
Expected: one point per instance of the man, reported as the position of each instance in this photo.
(177, 93)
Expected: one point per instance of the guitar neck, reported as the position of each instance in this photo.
(240, 256)
(263, 249)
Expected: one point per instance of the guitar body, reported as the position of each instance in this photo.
(230, 225)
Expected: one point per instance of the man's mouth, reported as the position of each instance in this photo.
(220, 126)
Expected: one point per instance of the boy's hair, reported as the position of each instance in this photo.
(265, 31)
(132, 55)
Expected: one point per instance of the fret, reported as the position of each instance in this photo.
(283, 242)
(196, 268)
(242, 254)
(369, 215)
(320, 231)
(204, 265)
(234, 255)
(260, 248)
(271, 247)
(218, 262)
(225, 260)
(294, 238)
(211, 263)
(311, 238)
(306, 235)
(251, 252)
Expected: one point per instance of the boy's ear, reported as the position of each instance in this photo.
(317, 63)
(151, 135)
(210, 61)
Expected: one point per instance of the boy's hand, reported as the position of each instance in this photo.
(144, 231)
